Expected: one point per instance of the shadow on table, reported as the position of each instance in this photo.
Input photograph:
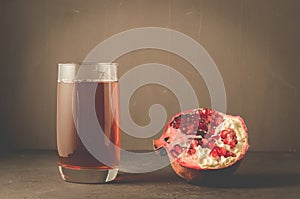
(235, 181)
(254, 181)
(152, 177)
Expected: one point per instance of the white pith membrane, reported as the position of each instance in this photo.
(202, 159)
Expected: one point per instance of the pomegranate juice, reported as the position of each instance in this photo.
(82, 109)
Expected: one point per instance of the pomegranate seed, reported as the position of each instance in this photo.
(201, 126)
(208, 119)
(176, 122)
(231, 132)
(224, 134)
(176, 125)
(214, 153)
(232, 154)
(223, 151)
(229, 137)
(204, 112)
(194, 143)
(218, 149)
(207, 112)
(232, 143)
(191, 151)
(228, 154)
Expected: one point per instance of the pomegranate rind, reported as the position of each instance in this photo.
(195, 176)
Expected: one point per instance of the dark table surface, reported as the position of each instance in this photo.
(34, 174)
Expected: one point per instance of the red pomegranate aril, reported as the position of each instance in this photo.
(232, 135)
(176, 125)
(214, 153)
(224, 134)
(206, 112)
(228, 154)
(194, 143)
(218, 149)
(191, 151)
(226, 142)
(208, 119)
(202, 126)
(232, 143)
(223, 151)
(178, 118)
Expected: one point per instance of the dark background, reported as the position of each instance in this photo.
(255, 44)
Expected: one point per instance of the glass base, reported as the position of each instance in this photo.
(87, 175)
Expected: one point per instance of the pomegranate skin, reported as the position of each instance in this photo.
(205, 176)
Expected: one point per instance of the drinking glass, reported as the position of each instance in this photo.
(88, 134)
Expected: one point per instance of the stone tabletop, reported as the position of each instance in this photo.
(34, 174)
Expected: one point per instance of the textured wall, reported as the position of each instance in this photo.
(3, 134)
(254, 43)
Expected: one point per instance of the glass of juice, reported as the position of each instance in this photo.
(88, 134)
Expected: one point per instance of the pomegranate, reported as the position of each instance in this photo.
(204, 143)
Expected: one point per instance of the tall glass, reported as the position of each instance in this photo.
(88, 135)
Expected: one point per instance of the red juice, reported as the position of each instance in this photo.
(79, 103)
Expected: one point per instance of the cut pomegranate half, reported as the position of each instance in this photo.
(202, 142)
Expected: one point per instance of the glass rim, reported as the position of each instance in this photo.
(88, 63)
(87, 71)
